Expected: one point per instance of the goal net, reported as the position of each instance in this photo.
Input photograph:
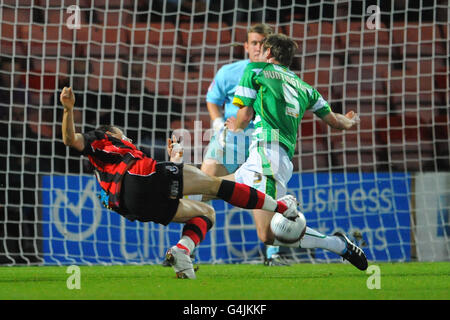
(146, 66)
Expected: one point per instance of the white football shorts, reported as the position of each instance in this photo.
(267, 169)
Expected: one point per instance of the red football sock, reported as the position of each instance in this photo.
(196, 228)
(243, 196)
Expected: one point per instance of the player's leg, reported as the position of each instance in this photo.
(198, 217)
(316, 240)
(196, 181)
(156, 197)
(273, 257)
(281, 171)
(312, 239)
(237, 194)
(188, 209)
(214, 169)
(262, 222)
(212, 166)
(337, 243)
(278, 170)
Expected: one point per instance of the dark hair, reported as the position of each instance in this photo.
(281, 47)
(260, 28)
(106, 127)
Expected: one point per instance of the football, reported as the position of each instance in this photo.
(287, 230)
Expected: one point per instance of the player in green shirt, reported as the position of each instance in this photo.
(277, 99)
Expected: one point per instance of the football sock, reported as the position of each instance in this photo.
(243, 196)
(314, 239)
(194, 232)
(186, 243)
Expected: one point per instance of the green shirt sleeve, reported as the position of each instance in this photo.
(247, 90)
(318, 104)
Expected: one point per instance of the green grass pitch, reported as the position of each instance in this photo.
(398, 281)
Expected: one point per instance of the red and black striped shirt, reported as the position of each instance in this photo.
(112, 158)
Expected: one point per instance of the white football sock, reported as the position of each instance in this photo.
(314, 239)
(270, 204)
(188, 243)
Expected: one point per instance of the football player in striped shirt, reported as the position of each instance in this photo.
(140, 188)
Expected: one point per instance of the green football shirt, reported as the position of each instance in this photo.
(280, 99)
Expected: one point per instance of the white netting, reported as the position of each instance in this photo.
(146, 66)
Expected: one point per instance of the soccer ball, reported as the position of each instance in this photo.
(287, 230)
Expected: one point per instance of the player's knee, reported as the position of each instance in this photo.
(209, 212)
(215, 185)
(210, 183)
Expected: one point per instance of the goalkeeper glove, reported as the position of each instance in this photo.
(218, 124)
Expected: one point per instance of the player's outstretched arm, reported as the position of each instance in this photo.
(70, 137)
(340, 121)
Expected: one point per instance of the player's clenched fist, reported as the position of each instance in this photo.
(67, 98)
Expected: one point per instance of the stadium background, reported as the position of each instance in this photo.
(146, 66)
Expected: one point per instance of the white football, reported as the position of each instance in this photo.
(286, 230)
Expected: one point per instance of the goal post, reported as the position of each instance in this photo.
(147, 66)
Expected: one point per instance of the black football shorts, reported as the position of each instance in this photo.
(154, 197)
